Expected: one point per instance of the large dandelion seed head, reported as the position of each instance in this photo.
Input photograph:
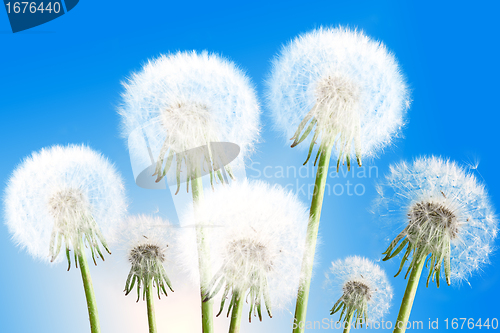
(444, 211)
(346, 84)
(187, 100)
(255, 233)
(361, 286)
(62, 195)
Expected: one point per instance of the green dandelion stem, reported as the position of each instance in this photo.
(89, 289)
(409, 296)
(151, 307)
(347, 322)
(203, 259)
(236, 314)
(312, 235)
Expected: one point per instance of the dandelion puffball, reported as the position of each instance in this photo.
(63, 195)
(186, 100)
(362, 287)
(256, 241)
(346, 85)
(445, 211)
(148, 242)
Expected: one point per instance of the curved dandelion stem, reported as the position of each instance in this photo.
(303, 123)
(151, 307)
(223, 301)
(409, 296)
(203, 259)
(312, 235)
(68, 257)
(89, 289)
(236, 314)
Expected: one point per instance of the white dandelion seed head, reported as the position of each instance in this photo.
(193, 99)
(352, 85)
(70, 190)
(357, 278)
(254, 231)
(436, 194)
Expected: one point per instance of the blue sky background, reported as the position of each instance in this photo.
(60, 83)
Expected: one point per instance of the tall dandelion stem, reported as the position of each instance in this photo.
(151, 307)
(89, 289)
(203, 258)
(409, 296)
(236, 314)
(312, 235)
(347, 322)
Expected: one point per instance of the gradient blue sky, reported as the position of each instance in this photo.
(60, 83)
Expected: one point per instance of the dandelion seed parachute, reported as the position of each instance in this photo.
(187, 100)
(444, 211)
(256, 243)
(362, 287)
(347, 89)
(148, 243)
(63, 194)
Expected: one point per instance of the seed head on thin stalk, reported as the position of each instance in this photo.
(365, 292)
(447, 215)
(340, 88)
(256, 244)
(60, 195)
(148, 242)
(187, 100)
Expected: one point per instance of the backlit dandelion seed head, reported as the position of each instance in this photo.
(362, 286)
(256, 236)
(186, 100)
(347, 85)
(60, 195)
(443, 210)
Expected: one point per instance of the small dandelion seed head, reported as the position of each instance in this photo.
(443, 211)
(354, 289)
(350, 84)
(147, 243)
(146, 252)
(362, 286)
(255, 234)
(60, 195)
(145, 237)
